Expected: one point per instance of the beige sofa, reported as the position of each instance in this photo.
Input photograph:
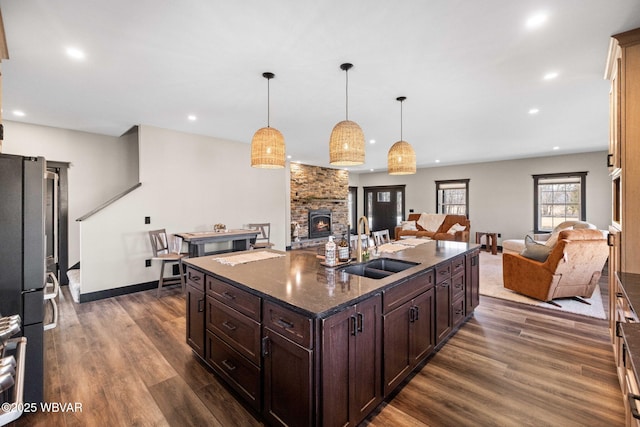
(516, 246)
(441, 233)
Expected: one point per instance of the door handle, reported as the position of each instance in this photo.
(610, 160)
(354, 329)
(265, 346)
(360, 322)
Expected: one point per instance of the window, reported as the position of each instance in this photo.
(452, 197)
(558, 198)
(353, 203)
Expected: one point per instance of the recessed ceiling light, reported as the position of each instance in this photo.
(192, 118)
(289, 157)
(437, 161)
(370, 170)
(19, 113)
(534, 111)
(536, 20)
(372, 141)
(75, 53)
(550, 76)
(556, 148)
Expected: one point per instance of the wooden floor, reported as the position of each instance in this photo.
(126, 361)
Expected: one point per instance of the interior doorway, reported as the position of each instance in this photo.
(384, 207)
(57, 220)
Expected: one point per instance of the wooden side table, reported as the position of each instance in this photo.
(491, 240)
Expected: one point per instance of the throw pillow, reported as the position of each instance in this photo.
(455, 227)
(409, 225)
(534, 250)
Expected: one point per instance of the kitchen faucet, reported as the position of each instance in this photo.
(361, 220)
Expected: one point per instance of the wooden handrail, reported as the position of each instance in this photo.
(108, 202)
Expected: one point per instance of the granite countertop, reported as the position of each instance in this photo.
(299, 281)
(631, 287)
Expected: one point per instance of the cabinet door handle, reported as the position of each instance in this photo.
(229, 326)
(194, 277)
(284, 324)
(354, 329)
(360, 322)
(417, 314)
(632, 405)
(265, 346)
(229, 296)
(474, 260)
(609, 160)
(412, 315)
(200, 305)
(610, 241)
(230, 366)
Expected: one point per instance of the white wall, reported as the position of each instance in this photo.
(189, 183)
(101, 166)
(501, 193)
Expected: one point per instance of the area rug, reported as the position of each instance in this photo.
(491, 285)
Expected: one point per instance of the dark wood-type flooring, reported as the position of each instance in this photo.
(126, 361)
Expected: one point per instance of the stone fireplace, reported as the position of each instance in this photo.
(315, 188)
(319, 223)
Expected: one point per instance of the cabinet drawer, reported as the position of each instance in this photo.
(457, 311)
(239, 373)
(457, 286)
(405, 291)
(239, 331)
(457, 266)
(443, 271)
(240, 300)
(287, 323)
(195, 278)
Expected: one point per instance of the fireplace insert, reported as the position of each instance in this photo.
(319, 223)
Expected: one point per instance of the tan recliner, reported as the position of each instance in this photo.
(572, 269)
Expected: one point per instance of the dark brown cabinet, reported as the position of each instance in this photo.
(408, 338)
(351, 368)
(472, 277)
(443, 309)
(332, 367)
(287, 390)
(195, 304)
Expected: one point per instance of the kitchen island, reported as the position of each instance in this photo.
(304, 344)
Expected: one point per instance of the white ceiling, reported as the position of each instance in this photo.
(471, 71)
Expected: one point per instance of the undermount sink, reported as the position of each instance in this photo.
(378, 268)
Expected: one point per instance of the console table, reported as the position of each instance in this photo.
(197, 240)
(491, 239)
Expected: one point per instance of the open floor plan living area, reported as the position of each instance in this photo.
(320, 213)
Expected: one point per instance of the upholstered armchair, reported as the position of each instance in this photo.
(572, 269)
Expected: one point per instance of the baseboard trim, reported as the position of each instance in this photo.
(124, 290)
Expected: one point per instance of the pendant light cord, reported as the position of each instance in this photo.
(347, 94)
(268, 105)
(401, 121)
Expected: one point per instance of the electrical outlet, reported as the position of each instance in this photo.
(147, 220)
(410, 210)
(147, 263)
(499, 235)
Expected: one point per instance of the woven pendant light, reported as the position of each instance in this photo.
(401, 159)
(346, 145)
(267, 145)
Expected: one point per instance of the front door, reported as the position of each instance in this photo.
(384, 207)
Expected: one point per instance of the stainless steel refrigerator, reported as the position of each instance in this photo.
(22, 258)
